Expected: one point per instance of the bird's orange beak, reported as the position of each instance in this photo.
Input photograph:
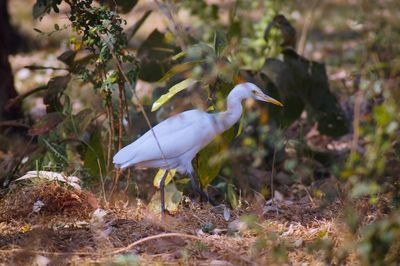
(262, 97)
(269, 99)
(265, 98)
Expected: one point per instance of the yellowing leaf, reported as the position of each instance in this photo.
(179, 55)
(208, 169)
(180, 68)
(25, 228)
(78, 46)
(173, 198)
(160, 174)
(240, 126)
(171, 92)
(232, 197)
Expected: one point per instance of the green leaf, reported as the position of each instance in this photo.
(240, 125)
(200, 51)
(67, 107)
(382, 115)
(179, 55)
(171, 92)
(220, 42)
(56, 150)
(75, 125)
(363, 189)
(234, 30)
(94, 159)
(207, 167)
(180, 68)
(232, 197)
(160, 174)
(173, 198)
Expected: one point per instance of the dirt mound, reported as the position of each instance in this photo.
(50, 198)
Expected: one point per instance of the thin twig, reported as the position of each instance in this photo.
(44, 252)
(117, 251)
(127, 248)
(19, 98)
(174, 27)
(128, 182)
(108, 165)
(121, 115)
(232, 14)
(356, 122)
(141, 108)
(132, 30)
(120, 131)
(272, 178)
(307, 24)
(35, 67)
(140, 241)
(128, 117)
(13, 123)
(103, 191)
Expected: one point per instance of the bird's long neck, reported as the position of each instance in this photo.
(233, 113)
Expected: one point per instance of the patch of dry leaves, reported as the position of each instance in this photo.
(65, 231)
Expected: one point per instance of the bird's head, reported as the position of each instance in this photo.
(251, 90)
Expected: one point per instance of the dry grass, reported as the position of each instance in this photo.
(65, 231)
(57, 200)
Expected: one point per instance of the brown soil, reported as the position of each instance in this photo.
(66, 232)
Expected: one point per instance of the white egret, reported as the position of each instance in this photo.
(183, 135)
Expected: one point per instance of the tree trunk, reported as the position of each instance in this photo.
(7, 89)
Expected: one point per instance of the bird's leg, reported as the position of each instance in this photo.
(162, 191)
(195, 185)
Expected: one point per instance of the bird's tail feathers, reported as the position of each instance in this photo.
(123, 158)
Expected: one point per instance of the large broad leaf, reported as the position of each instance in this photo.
(173, 198)
(94, 159)
(208, 163)
(171, 92)
(160, 174)
(316, 95)
(46, 124)
(301, 85)
(75, 125)
(155, 55)
(280, 83)
(55, 88)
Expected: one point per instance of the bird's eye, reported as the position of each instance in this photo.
(254, 91)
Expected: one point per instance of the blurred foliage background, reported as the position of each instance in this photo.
(87, 72)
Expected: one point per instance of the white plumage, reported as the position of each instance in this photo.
(183, 135)
(177, 139)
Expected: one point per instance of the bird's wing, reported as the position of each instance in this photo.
(176, 135)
